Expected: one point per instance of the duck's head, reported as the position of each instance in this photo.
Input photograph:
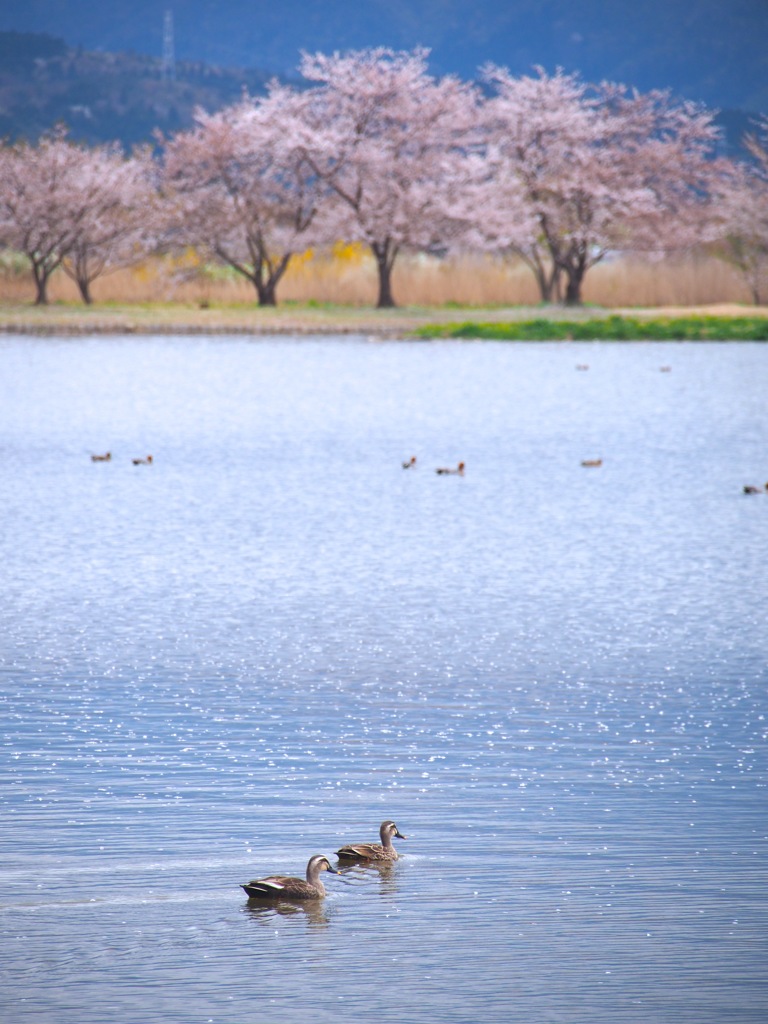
(389, 828)
(320, 863)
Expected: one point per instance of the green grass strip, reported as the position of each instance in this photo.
(610, 328)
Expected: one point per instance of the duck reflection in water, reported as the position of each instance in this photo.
(362, 871)
(264, 912)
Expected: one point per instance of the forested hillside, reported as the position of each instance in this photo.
(105, 96)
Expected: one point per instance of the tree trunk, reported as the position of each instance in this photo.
(385, 253)
(41, 284)
(546, 271)
(549, 284)
(267, 277)
(85, 290)
(386, 299)
(574, 266)
(266, 293)
(544, 283)
(573, 290)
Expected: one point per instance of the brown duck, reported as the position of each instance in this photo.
(286, 887)
(374, 851)
(447, 471)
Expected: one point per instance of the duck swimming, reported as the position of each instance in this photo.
(410, 463)
(592, 463)
(445, 471)
(288, 888)
(143, 462)
(374, 851)
(749, 489)
(106, 457)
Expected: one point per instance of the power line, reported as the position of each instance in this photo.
(169, 56)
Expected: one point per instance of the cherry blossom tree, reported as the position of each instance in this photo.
(64, 205)
(529, 126)
(116, 228)
(664, 152)
(744, 211)
(389, 141)
(594, 169)
(239, 189)
(44, 200)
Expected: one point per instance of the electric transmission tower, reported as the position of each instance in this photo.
(169, 57)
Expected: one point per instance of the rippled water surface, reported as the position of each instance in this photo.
(552, 677)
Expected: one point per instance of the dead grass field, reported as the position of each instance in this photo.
(337, 295)
(418, 281)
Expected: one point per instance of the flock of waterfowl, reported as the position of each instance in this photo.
(107, 457)
(596, 463)
(459, 470)
(441, 470)
(286, 887)
(408, 464)
(412, 462)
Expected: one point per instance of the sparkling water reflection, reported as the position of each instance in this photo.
(257, 648)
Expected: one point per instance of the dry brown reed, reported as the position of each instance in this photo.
(418, 281)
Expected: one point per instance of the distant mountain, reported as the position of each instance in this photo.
(709, 50)
(104, 97)
(128, 96)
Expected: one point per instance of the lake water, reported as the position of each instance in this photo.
(552, 677)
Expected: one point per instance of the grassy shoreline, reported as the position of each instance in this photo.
(611, 328)
(722, 322)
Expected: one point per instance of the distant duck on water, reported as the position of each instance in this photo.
(445, 471)
(374, 851)
(106, 457)
(592, 463)
(143, 462)
(287, 887)
(410, 463)
(749, 489)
